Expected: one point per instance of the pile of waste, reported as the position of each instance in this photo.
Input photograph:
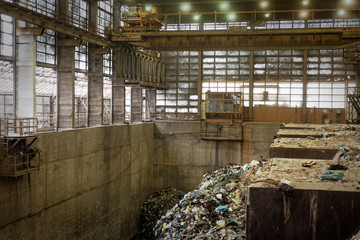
(216, 209)
(154, 207)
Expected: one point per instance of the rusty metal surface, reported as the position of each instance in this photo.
(313, 214)
(249, 40)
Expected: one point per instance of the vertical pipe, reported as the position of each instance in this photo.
(251, 85)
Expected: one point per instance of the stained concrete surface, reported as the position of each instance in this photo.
(181, 157)
(90, 185)
(93, 181)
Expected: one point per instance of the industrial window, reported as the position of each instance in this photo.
(81, 99)
(81, 57)
(46, 47)
(226, 65)
(107, 93)
(181, 100)
(45, 97)
(326, 95)
(6, 105)
(181, 27)
(328, 65)
(227, 86)
(105, 15)
(108, 63)
(45, 7)
(6, 88)
(6, 35)
(226, 71)
(79, 13)
(46, 81)
(127, 104)
(327, 73)
(278, 76)
(225, 26)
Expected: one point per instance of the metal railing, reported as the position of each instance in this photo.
(46, 121)
(81, 119)
(17, 165)
(18, 127)
(295, 19)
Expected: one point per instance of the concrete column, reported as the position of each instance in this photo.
(65, 87)
(251, 85)
(95, 89)
(136, 104)
(303, 107)
(63, 8)
(151, 101)
(118, 91)
(117, 15)
(93, 16)
(200, 78)
(25, 75)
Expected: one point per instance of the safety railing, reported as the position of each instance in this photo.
(46, 121)
(81, 119)
(17, 165)
(272, 19)
(18, 127)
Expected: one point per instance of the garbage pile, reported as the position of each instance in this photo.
(154, 207)
(216, 209)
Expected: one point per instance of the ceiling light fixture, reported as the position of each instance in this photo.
(303, 14)
(231, 16)
(148, 8)
(197, 17)
(267, 15)
(224, 6)
(347, 1)
(341, 12)
(264, 4)
(305, 2)
(185, 7)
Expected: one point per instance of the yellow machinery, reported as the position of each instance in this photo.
(137, 20)
(223, 111)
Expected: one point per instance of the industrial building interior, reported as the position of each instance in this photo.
(103, 103)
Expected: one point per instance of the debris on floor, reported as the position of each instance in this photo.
(154, 207)
(216, 209)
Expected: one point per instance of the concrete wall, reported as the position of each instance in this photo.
(90, 185)
(257, 138)
(181, 157)
(293, 115)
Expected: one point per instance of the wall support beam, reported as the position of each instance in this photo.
(200, 76)
(251, 85)
(25, 75)
(95, 90)
(118, 90)
(151, 103)
(65, 87)
(304, 96)
(136, 104)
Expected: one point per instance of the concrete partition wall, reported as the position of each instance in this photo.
(181, 157)
(91, 185)
(257, 139)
